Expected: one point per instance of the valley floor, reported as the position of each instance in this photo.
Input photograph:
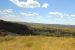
(37, 43)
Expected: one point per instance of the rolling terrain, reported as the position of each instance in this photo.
(35, 36)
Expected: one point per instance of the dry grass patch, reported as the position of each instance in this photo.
(38, 43)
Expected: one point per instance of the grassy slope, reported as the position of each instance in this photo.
(37, 43)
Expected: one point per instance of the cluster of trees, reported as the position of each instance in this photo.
(53, 32)
(14, 28)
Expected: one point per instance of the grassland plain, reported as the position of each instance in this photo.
(37, 43)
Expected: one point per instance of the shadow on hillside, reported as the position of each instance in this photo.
(14, 28)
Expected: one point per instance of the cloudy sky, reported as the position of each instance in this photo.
(39, 11)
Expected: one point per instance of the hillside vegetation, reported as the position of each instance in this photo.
(11, 28)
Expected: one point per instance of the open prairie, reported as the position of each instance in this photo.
(37, 43)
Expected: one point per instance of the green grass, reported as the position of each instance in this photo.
(38, 43)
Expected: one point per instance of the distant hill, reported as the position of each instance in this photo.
(6, 26)
(24, 28)
(48, 25)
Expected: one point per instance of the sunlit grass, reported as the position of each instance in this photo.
(38, 43)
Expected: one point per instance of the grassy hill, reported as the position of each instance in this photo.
(35, 36)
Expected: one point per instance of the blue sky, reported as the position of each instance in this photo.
(39, 11)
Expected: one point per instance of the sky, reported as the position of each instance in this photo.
(38, 11)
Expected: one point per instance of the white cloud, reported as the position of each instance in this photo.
(30, 14)
(6, 11)
(45, 5)
(72, 15)
(27, 4)
(59, 15)
(10, 15)
(55, 13)
(7, 14)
